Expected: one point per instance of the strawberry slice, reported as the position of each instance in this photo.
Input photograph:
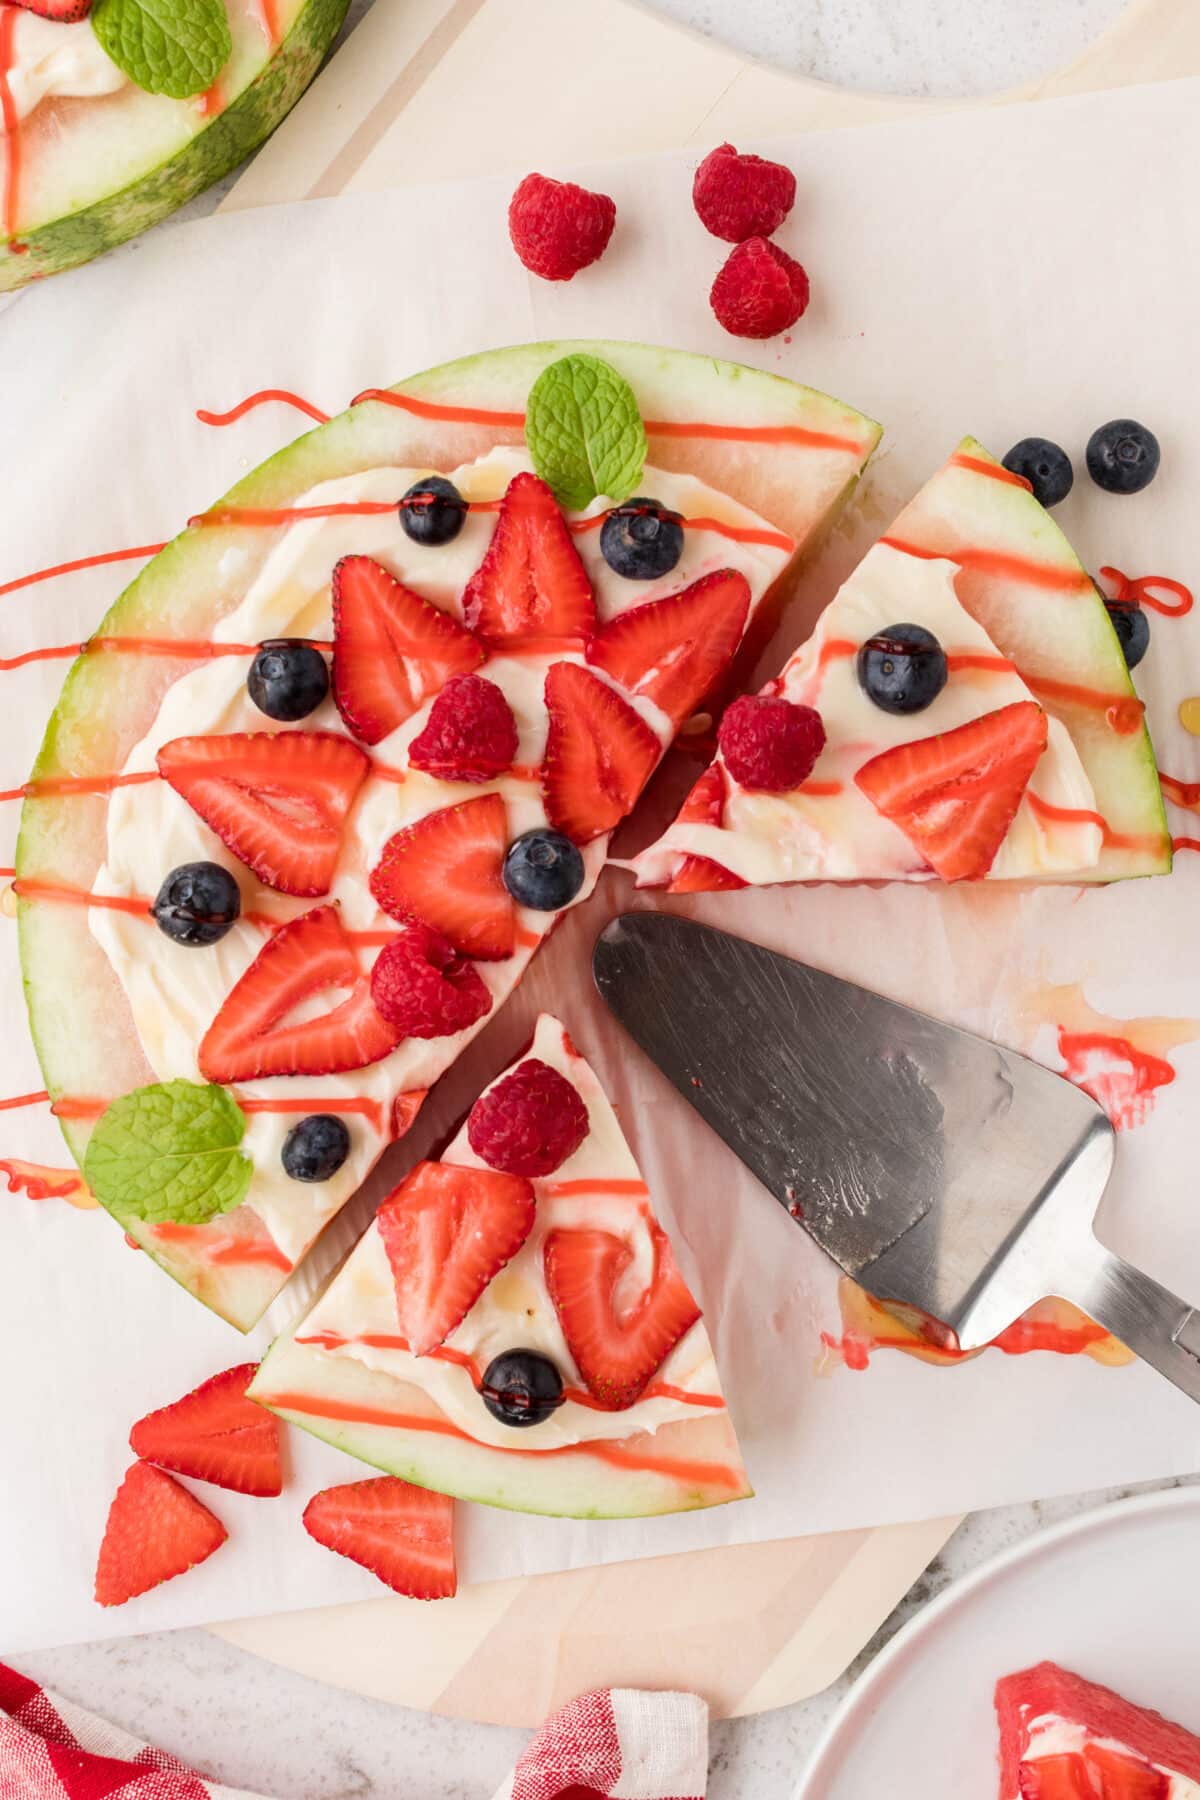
(619, 1339)
(673, 651)
(1056, 1778)
(599, 753)
(703, 875)
(955, 795)
(278, 800)
(63, 12)
(391, 648)
(402, 1534)
(447, 1231)
(445, 872)
(155, 1530)
(1118, 1777)
(251, 1036)
(531, 583)
(215, 1434)
(705, 805)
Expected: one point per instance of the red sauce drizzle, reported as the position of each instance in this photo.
(1183, 793)
(46, 785)
(999, 562)
(262, 398)
(1123, 712)
(80, 562)
(23, 1100)
(270, 22)
(1138, 590)
(350, 1103)
(1072, 815)
(227, 1249)
(994, 471)
(41, 1182)
(739, 534)
(12, 130)
(1185, 843)
(1119, 1077)
(565, 1190)
(988, 661)
(284, 515)
(44, 890)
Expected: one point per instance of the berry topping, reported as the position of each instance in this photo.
(674, 651)
(521, 1387)
(619, 1338)
(529, 1122)
(254, 1034)
(402, 1534)
(391, 649)
(1132, 628)
(770, 745)
(215, 1434)
(558, 228)
(316, 1148)
(447, 1231)
(197, 903)
(278, 800)
(599, 753)
(288, 679)
(1045, 466)
(63, 12)
(470, 734)
(1123, 456)
(531, 583)
(155, 1530)
(955, 795)
(432, 511)
(424, 987)
(738, 197)
(760, 290)
(902, 668)
(641, 539)
(543, 870)
(445, 872)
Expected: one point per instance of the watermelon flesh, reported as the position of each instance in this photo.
(340, 1374)
(1062, 1734)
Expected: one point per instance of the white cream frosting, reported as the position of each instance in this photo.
(1052, 1735)
(50, 59)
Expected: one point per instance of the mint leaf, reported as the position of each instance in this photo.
(584, 431)
(169, 1152)
(175, 47)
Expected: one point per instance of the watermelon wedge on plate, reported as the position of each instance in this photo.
(460, 666)
(1063, 1737)
(564, 1367)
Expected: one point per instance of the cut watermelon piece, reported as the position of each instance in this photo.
(640, 1426)
(1065, 1738)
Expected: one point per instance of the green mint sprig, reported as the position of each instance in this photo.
(175, 47)
(169, 1153)
(584, 431)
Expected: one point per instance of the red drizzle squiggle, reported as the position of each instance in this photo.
(1185, 843)
(1139, 591)
(284, 515)
(999, 562)
(994, 471)
(1078, 815)
(360, 1104)
(263, 397)
(1119, 1077)
(45, 785)
(81, 562)
(1183, 793)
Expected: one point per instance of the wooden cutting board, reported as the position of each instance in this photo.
(453, 89)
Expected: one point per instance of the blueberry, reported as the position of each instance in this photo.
(543, 870)
(902, 668)
(1045, 466)
(642, 539)
(432, 511)
(1132, 628)
(288, 679)
(521, 1387)
(197, 903)
(316, 1148)
(1122, 456)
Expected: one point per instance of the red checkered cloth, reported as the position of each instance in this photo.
(614, 1744)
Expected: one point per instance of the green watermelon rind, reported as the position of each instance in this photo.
(76, 237)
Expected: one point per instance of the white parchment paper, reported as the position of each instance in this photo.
(1028, 270)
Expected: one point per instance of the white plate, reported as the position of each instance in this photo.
(1110, 1594)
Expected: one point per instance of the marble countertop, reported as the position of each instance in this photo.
(255, 1726)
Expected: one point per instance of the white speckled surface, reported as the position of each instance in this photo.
(256, 1726)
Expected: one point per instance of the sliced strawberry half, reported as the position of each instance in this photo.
(618, 1337)
(155, 1530)
(1115, 1776)
(447, 1231)
(251, 1036)
(445, 872)
(391, 648)
(599, 753)
(402, 1534)
(531, 584)
(703, 875)
(705, 805)
(63, 12)
(955, 795)
(673, 651)
(279, 800)
(1055, 1778)
(215, 1434)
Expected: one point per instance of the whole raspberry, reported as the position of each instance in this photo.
(557, 228)
(470, 734)
(759, 290)
(739, 197)
(529, 1123)
(424, 988)
(769, 744)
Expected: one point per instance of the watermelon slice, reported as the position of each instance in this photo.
(635, 1421)
(117, 1006)
(890, 797)
(98, 161)
(1065, 1738)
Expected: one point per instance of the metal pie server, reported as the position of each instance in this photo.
(934, 1167)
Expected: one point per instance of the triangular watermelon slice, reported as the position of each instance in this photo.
(757, 467)
(586, 1338)
(1065, 1738)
